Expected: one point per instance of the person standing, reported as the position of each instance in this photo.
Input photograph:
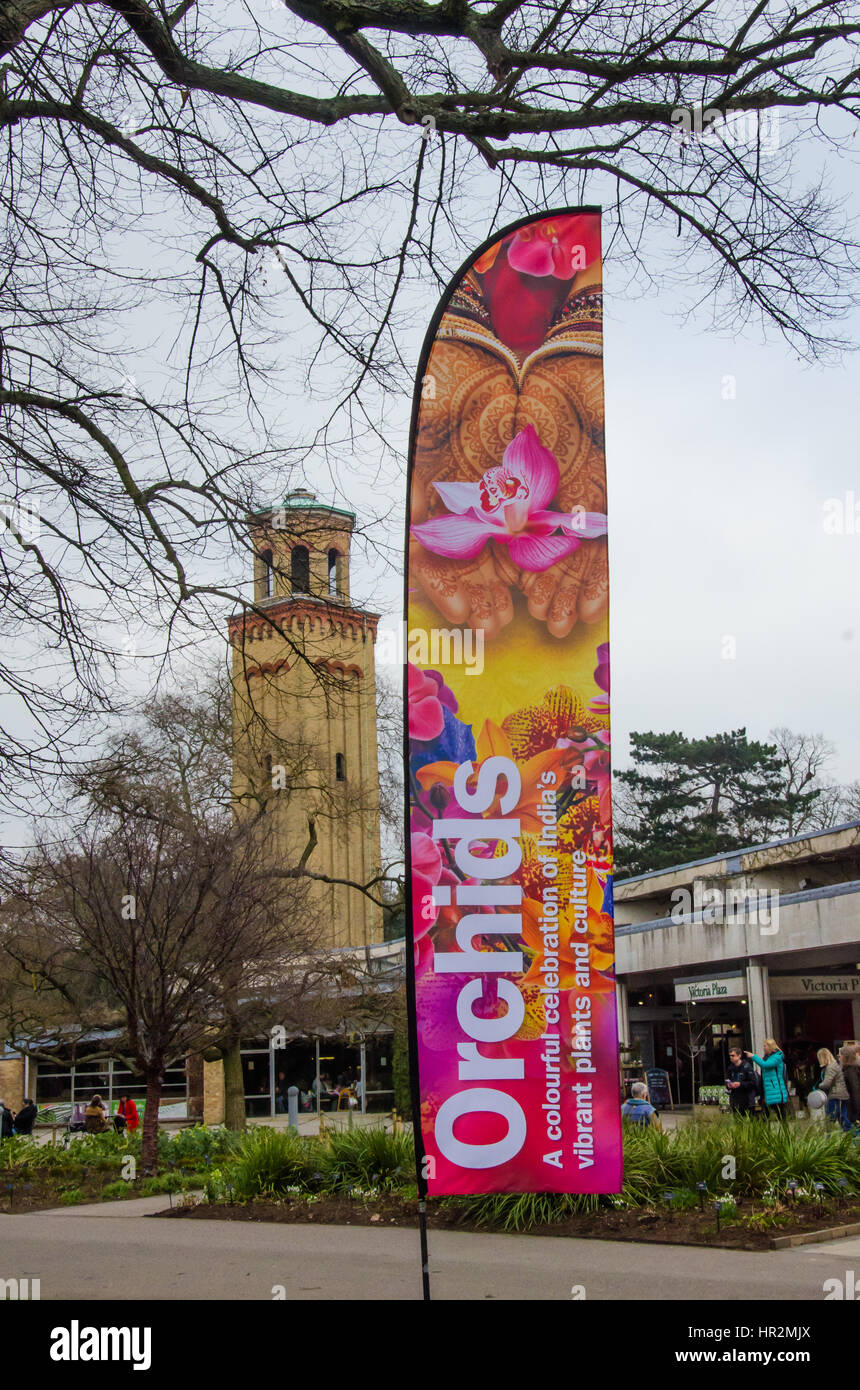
(772, 1066)
(26, 1117)
(127, 1110)
(7, 1121)
(832, 1083)
(741, 1083)
(848, 1057)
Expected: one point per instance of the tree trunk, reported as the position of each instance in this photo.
(194, 1074)
(149, 1136)
(234, 1086)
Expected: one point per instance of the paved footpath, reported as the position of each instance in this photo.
(107, 1252)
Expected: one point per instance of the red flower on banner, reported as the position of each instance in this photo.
(521, 311)
(528, 276)
(423, 956)
(560, 246)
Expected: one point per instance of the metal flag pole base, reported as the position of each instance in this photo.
(425, 1258)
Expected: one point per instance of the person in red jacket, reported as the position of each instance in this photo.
(128, 1111)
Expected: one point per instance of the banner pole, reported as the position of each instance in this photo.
(415, 1104)
(412, 1030)
(421, 1173)
(425, 1258)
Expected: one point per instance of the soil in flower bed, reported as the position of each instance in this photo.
(43, 1190)
(658, 1227)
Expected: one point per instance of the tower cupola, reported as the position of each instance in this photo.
(301, 550)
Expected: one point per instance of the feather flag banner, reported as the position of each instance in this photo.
(512, 989)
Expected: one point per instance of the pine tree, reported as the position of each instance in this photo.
(690, 798)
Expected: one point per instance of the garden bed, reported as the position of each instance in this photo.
(43, 1190)
(751, 1227)
(771, 1181)
(103, 1167)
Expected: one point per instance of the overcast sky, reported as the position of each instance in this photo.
(716, 531)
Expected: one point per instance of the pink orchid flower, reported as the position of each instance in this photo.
(509, 505)
(428, 870)
(427, 694)
(559, 246)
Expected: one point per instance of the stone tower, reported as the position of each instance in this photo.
(304, 708)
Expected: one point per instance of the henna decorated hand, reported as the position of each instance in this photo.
(471, 593)
(480, 397)
(574, 590)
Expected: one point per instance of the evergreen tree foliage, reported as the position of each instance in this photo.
(690, 798)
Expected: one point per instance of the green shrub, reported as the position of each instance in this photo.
(645, 1151)
(764, 1220)
(270, 1161)
(514, 1211)
(115, 1191)
(369, 1159)
(765, 1157)
(215, 1186)
(71, 1197)
(683, 1199)
(811, 1154)
(100, 1150)
(165, 1182)
(18, 1153)
(90, 1151)
(198, 1142)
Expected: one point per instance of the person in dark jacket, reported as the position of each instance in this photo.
(7, 1120)
(741, 1083)
(26, 1117)
(773, 1077)
(849, 1058)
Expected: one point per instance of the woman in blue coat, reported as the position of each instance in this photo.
(772, 1066)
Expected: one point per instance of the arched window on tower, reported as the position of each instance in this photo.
(340, 767)
(300, 570)
(268, 574)
(333, 575)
